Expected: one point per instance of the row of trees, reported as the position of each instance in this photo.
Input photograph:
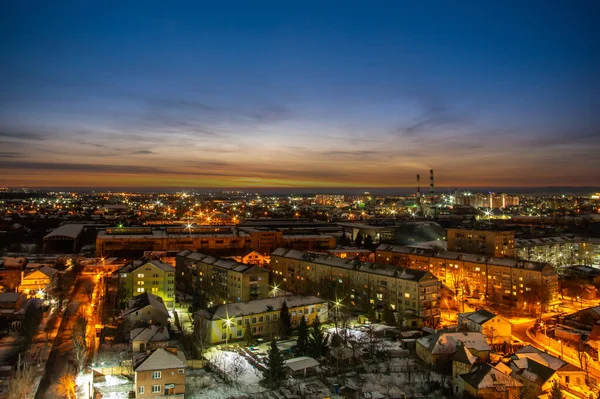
(361, 241)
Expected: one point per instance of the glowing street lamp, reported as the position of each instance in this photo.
(275, 290)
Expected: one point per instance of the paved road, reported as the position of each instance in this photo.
(61, 357)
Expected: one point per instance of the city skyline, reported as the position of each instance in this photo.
(147, 95)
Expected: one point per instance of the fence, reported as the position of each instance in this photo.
(115, 370)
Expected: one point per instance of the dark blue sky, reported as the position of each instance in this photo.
(311, 93)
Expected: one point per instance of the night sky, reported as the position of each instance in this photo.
(299, 93)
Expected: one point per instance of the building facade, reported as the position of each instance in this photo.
(490, 243)
(228, 322)
(413, 294)
(220, 279)
(529, 285)
(153, 276)
(160, 374)
(560, 251)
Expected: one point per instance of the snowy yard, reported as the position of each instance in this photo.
(114, 387)
(204, 385)
(237, 369)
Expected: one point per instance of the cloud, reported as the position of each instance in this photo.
(21, 136)
(143, 152)
(10, 154)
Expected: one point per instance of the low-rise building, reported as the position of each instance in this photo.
(487, 382)
(144, 310)
(496, 329)
(151, 276)
(160, 374)
(413, 294)
(228, 322)
(220, 279)
(438, 349)
(38, 282)
(149, 338)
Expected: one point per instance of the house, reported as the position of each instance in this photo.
(568, 374)
(38, 282)
(151, 276)
(12, 309)
(251, 258)
(229, 321)
(149, 338)
(437, 349)
(160, 374)
(496, 329)
(145, 309)
(463, 362)
(535, 375)
(488, 382)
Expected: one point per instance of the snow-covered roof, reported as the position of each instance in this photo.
(479, 317)
(161, 359)
(260, 306)
(139, 302)
(301, 363)
(150, 334)
(8, 297)
(486, 376)
(530, 352)
(66, 230)
(446, 343)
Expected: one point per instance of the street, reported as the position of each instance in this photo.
(61, 357)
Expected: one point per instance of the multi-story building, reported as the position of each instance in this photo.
(490, 243)
(126, 240)
(220, 279)
(561, 250)
(511, 282)
(39, 282)
(152, 276)
(160, 374)
(228, 322)
(412, 294)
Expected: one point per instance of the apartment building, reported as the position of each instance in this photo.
(152, 276)
(490, 243)
(560, 250)
(511, 282)
(413, 294)
(228, 322)
(220, 279)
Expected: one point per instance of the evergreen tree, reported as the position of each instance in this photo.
(556, 393)
(317, 340)
(285, 321)
(275, 370)
(302, 345)
(388, 316)
(248, 336)
(359, 240)
(369, 242)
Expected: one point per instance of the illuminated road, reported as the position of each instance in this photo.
(61, 358)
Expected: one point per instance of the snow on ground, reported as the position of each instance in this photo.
(114, 387)
(203, 385)
(351, 333)
(231, 364)
(110, 355)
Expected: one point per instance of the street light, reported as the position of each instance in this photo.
(275, 290)
(561, 348)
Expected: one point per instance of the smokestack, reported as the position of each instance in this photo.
(431, 184)
(418, 186)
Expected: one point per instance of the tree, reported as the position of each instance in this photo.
(369, 242)
(302, 343)
(317, 341)
(248, 336)
(285, 321)
(66, 386)
(11, 280)
(88, 288)
(358, 240)
(556, 393)
(31, 322)
(78, 336)
(274, 372)
(21, 385)
(388, 316)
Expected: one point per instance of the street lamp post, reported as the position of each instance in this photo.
(561, 349)
(227, 330)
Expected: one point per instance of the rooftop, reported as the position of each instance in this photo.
(260, 306)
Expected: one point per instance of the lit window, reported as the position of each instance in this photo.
(406, 295)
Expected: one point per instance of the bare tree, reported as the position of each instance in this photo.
(88, 288)
(78, 336)
(200, 336)
(21, 385)
(490, 333)
(11, 280)
(236, 369)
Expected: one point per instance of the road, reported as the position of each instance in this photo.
(61, 357)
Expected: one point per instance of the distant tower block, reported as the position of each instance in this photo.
(419, 188)
(431, 184)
